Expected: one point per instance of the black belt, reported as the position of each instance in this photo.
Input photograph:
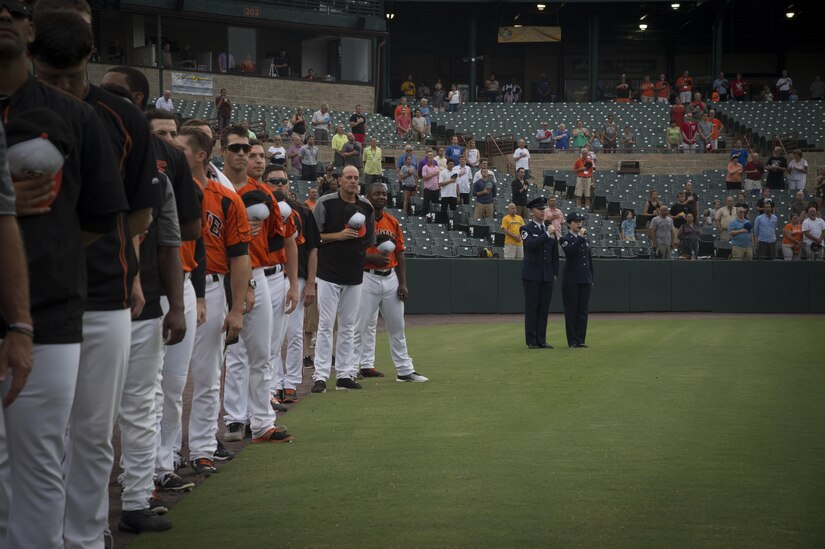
(274, 270)
(387, 272)
(214, 276)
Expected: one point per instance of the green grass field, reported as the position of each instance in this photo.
(664, 433)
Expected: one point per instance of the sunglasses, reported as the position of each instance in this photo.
(18, 10)
(277, 180)
(238, 147)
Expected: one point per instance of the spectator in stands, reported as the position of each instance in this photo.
(293, 154)
(439, 94)
(652, 207)
(321, 125)
(454, 151)
(249, 133)
(312, 198)
(792, 238)
(484, 191)
(798, 205)
(510, 225)
(522, 157)
(721, 86)
(754, 172)
(453, 98)
(491, 89)
(285, 128)
(628, 139)
(408, 179)
(610, 135)
(784, 85)
(429, 182)
(187, 58)
(646, 91)
(816, 89)
(794, 96)
(673, 135)
(562, 138)
(372, 158)
(473, 154)
(627, 230)
(797, 172)
(352, 153)
(423, 91)
(425, 112)
(677, 113)
(581, 136)
(276, 152)
(696, 108)
(224, 107)
(595, 144)
(282, 64)
(464, 175)
(742, 202)
(520, 186)
(710, 214)
(739, 88)
(740, 230)
(684, 84)
(717, 129)
(448, 187)
(165, 102)
(358, 124)
(309, 160)
(623, 91)
(553, 214)
(248, 65)
(403, 120)
(511, 93)
(543, 89)
(94, 57)
(776, 167)
(660, 234)
(544, 136)
(724, 216)
(328, 182)
(733, 179)
(819, 189)
(690, 131)
(679, 211)
(764, 199)
(166, 55)
(764, 233)
(583, 168)
(704, 132)
(338, 142)
(689, 238)
(408, 86)
(420, 128)
(310, 75)
(441, 159)
(401, 160)
(226, 61)
(423, 161)
(299, 123)
(812, 229)
(691, 199)
(662, 89)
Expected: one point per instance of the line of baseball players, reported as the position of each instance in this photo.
(147, 265)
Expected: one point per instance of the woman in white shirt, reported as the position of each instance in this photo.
(453, 99)
(277, 152)
(473, 154)
(797, 172)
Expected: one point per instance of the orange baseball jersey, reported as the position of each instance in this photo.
(187, 256)
(272, 227)
(225, 229)
(386, 228)
(295, 218)
(277, 253)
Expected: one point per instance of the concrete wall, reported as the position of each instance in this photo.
(267, 91)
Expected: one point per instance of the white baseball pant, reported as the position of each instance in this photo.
(205, 369)
(138, 420)
(33, 501)
(90, 455)
(343, 301)
(248, 372)
(289, 369)
(380, 293)
(277, 292)
(169, 392)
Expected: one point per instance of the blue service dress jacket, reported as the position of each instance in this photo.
(541, 253)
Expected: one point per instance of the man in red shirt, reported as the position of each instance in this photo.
(685, 86)
(739, 88)
(690, 129)
(224, 107)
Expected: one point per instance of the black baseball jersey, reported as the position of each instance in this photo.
(342, 262)
(89, 198)
(172, 162)
(307, 228)
(111, 261)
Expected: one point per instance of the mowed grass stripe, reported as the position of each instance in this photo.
(688, 433)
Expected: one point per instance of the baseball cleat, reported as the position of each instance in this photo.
(234, 432)
(143, 520)
(203, 466)
(222, 453)
(290, 396)
(414, 377)
(346, 384)
(172, 482)
(275, 434)
(371, 372)
(319, 387)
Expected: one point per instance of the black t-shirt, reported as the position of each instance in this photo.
(519, 193)
(149, 273)
(675, 210)
(776, 178)
(111, 261)
(358, 128)
(90, 197)
(342, 262)
(307, 228)
(692, 205)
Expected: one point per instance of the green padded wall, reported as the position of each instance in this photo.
(690, 288)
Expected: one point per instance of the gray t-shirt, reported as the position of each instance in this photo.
(309, 156)
(663, 230)
(168, 226)
(354, 160)
(7, 206)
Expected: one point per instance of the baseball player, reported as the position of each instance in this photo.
(212, 171)
(60, 53)
(346, 224)
(289, 368)
(226, 237)
(248, 369)
(58, 208)
(385, 290)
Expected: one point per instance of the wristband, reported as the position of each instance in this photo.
(21, 327)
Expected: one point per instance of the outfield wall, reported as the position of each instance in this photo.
(467, 286)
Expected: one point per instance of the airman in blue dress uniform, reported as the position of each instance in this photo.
(539, 269)
(577, 280)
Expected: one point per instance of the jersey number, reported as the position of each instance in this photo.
(215, 224)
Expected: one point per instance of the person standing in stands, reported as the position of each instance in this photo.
(539, 270)
(577, 280)
(224, 107)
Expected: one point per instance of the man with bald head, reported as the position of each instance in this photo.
(165, 102)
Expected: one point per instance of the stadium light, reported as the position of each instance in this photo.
(675, 6)
(790, 14)
(390, 16)
(642, 26)
(540, 7)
